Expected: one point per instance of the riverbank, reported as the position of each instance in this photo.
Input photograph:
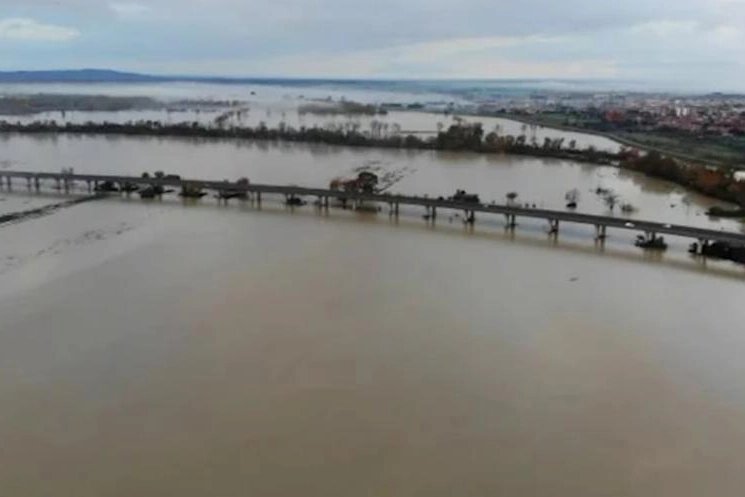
(623, 140)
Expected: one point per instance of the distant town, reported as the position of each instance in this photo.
(713, 113)
(708, 128)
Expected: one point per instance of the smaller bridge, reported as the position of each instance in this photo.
(651, 229)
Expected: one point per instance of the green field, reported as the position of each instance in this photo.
(723, 151)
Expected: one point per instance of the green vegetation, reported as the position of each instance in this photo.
(716, 149)
(726, 151)
(712, 182)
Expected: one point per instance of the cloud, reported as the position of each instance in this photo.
(424, 51)
(129, 10)
(676, 40)
(690, 36)
(487, 57)
(31, 30)
(667, 28)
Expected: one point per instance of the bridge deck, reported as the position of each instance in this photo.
(507, 210)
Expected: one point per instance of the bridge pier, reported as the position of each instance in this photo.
(511, 220)
(646, 230)
(470, 217)
(703, 245)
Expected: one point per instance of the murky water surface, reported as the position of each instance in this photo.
(162, 348)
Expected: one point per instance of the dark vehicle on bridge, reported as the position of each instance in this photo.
(107, 187)
(191, 191)
(129, 187)
(295, 201)
(151, 191)
(237, 190)
(462, 197)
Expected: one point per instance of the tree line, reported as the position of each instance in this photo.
(459, 136)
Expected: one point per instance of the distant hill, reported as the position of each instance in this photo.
(77, 76)
(109, 76)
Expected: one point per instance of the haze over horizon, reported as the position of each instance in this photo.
(688, 44)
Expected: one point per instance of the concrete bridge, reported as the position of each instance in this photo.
(651, 229)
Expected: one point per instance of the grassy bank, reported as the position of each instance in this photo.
(725, 152)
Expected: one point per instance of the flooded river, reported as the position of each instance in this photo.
(167, 348)
(274, 105)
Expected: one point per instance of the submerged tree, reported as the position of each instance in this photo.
(572, 196)
(610, 199)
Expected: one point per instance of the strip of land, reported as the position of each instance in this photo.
(15, 217)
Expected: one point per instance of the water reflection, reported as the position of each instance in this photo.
(534, 234)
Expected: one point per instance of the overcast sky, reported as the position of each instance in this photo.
(684, 42)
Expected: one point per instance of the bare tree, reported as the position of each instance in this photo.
(611, 199)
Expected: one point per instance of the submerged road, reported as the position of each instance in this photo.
(554, 217)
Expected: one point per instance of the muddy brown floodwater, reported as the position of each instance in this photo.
(172, 349)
